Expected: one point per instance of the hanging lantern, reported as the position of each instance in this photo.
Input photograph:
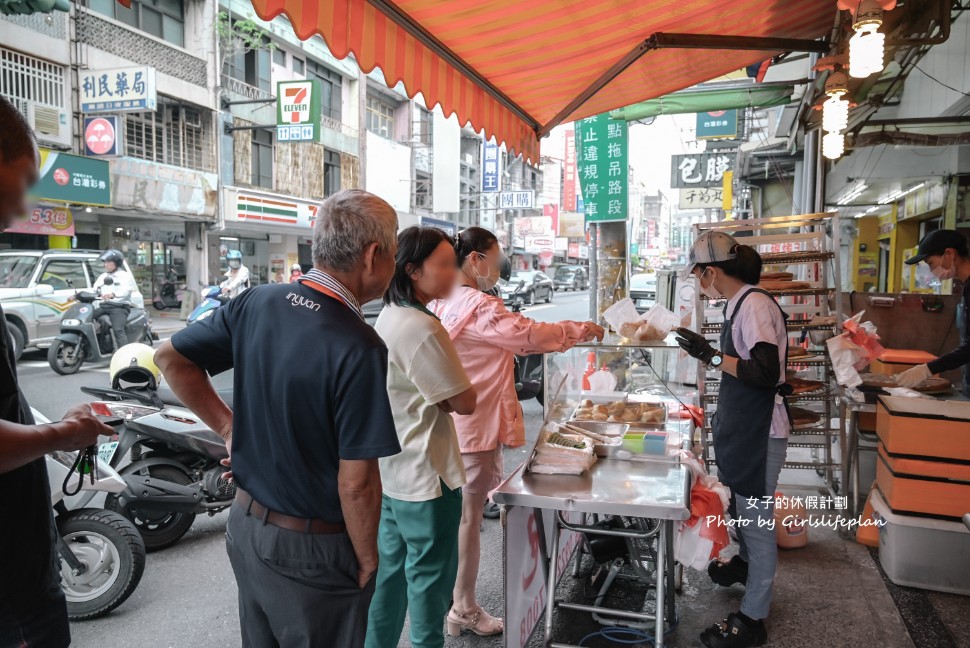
(867, 48)
(833, 145)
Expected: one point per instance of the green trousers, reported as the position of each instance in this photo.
(418, 547)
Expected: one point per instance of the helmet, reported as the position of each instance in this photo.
(114, 256)
(133, 365)
(233, 255)
(296, 266)
(506, 271)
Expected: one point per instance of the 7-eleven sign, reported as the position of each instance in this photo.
(297, 111)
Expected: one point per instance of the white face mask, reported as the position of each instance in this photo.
(485, 283)
(943, 273)
(709, 289)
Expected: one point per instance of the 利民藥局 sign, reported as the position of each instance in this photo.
(118, 89)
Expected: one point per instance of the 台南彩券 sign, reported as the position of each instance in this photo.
(298, 111)
(601, 145)
(124, 89)
(699, 169)
(490, 181)
(701, 198)
(516, 200)
(717, 124)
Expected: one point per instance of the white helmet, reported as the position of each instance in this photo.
(133, 365)
(296, 266)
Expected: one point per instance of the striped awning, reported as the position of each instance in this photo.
(517, 68)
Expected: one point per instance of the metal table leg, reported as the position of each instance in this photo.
(553, 552)
(661, 580)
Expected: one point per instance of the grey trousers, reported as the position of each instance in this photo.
(756, 536)
(296, 590)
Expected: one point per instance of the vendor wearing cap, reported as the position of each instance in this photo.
(945, 252)
(750, 427)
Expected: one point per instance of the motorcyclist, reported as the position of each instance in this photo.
(237, 276)
(296, 271)
(116, 294)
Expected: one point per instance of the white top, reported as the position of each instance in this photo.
(235, 280)
(121, 288)
(759, 320)
(423, 370)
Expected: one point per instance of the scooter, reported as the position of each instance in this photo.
(168, 296)
(212, 300)
(174, 471)
(84, 338)
(528, 368)
(102, 557)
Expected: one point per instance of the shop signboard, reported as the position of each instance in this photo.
(102, 136)
(72, 179)
(552, 211)
(927, 198)
(516, 200)
(490, 174)
(525, 592)
(298, 111)
(572, 225)
(147, 186)
(573, 251)
(45, 220)
(701, 198)
(583, 251)
(449, 228)
(603, 156)
(560, 245)
(270, 209)
(717, 124)
(569, 173)
(534, 226)
(538, 244)
(125, 89)
(700, 170)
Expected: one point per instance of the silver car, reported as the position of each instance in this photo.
(36, 286)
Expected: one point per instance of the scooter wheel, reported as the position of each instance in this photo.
(113, 554)
(59, 357)
(159, 305)
(159, 529)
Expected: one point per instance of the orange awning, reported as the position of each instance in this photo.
(516, 68)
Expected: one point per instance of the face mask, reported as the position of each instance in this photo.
(942, 273)
(234, 264)
(485, 283)
(709, 289)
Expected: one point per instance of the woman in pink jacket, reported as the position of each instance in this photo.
(487, 336)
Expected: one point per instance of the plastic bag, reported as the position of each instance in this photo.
(854, 350)
(704, 535)
(654, 325)
(620, 313)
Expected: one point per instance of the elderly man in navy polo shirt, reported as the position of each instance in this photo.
(311, 417)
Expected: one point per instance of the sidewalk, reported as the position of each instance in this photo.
(165, 322)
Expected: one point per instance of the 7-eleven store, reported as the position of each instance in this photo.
(272, 231)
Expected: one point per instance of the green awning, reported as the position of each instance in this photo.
(698, 101)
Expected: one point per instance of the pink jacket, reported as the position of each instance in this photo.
(487, 336)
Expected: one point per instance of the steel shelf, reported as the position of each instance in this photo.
(791, 258)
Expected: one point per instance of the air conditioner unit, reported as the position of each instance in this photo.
(51, 125)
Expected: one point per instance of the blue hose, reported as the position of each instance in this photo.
(625, 636)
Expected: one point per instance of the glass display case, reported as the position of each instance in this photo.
(641, 385)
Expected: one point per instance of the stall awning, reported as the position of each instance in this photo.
(517, 68)
(707, 100)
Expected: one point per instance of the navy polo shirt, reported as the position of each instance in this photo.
(310, 389)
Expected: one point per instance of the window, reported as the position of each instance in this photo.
(262, 159)
(279, 57)
(299, 66)
(162, 18)
(331, 172)
(64, 274)
(380, 117)
(252, 67)
(424, 127)
(176, 134)
(26, 77)
(330, 85)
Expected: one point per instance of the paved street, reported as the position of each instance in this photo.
(187, 597)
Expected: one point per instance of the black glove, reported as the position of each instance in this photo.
(696, 345)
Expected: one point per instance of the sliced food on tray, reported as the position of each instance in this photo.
(802, 417)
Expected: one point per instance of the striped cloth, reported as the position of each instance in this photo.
(328, 282)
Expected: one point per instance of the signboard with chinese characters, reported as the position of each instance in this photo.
(516, 200)
(571, 225)
(490, 175)
(573, 251)
(601, 144)
(127, 89)
(717, 124)
(298, 111)
(447, 226)
(701, 198)
(101, 135)
(701, 170)
(538, 244)
(146, 186)
(534, 226)
(72, 179)
(45, 221)
(569, 173)
(552, 211)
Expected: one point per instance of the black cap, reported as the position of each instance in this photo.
(936, 243)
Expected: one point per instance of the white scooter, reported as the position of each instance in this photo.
(102, 555)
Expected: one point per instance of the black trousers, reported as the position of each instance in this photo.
(43, 626)
(119, 318)
(296, 590)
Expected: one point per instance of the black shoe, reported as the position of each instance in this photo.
(491, 511)
(729, 573)
(732, 632)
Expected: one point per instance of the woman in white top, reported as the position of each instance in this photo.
(421, 507)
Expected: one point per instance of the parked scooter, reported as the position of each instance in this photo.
(212, 300)
(168, 296)
(84, 338)
(102, 557)
(174, 472)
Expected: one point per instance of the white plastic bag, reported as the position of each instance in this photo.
(620, 313)
(846, 355)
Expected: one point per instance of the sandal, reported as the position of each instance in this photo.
(491, 511)
(732, 632)
(729, 573)
(478, 621)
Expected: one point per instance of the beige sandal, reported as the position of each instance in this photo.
(477, 621)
